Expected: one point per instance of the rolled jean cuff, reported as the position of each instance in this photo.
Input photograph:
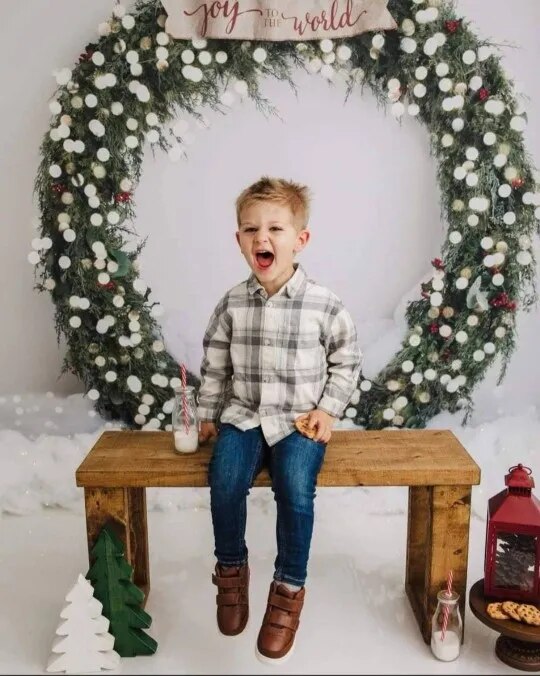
(228, 564)
(290, 580)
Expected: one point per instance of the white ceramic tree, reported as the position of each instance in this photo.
(83, 643)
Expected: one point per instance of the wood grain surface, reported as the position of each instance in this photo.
(353, 458)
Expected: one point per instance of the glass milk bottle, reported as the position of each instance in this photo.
(185, 423)
(446, 641)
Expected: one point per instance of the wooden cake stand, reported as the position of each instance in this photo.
(518, 644)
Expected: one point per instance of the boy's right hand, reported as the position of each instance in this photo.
(208, 431)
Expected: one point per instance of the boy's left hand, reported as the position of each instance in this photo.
(320, 421)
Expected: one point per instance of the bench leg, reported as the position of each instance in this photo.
(124, 509)
(437, 541)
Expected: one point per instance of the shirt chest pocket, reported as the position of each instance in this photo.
(296, 352)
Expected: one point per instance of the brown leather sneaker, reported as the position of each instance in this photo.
(232, 598)
(276, 637)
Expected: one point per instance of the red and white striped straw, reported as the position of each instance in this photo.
(183, 374)
(449, 581)
(446, 610)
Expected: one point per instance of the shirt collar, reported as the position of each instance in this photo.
(291, 288)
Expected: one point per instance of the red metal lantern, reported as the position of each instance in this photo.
(512, 557)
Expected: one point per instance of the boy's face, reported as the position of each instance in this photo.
(269, 241)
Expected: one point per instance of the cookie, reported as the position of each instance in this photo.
(529, 614)
(302, 426)
(495, 611)
(511, 609)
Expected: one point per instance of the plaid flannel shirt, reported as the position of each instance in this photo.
(268, 360)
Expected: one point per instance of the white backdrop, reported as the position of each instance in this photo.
(375, 220)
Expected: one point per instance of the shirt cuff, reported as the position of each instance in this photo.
(207, 414)
(332, 406)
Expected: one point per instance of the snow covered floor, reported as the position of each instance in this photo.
(356, 619)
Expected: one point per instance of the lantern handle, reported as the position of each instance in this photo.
(520, 466)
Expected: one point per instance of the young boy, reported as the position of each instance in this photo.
(278, 348)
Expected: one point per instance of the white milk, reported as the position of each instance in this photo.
(186, 443)
(448, 649)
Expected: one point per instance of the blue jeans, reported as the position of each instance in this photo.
(293, 464)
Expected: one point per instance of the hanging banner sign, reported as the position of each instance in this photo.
(275, 20)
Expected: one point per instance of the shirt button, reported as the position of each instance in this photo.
(269, 304)
(267, 341)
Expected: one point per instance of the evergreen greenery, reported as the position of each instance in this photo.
(91, 163)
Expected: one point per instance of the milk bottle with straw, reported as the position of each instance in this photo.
(447, 626)
(185, 422)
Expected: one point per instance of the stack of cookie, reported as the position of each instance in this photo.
(521, 612)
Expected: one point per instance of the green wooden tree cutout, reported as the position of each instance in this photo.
(111, 576)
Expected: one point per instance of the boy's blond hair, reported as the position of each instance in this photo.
(278, 190)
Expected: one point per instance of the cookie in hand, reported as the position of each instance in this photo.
(302, 425)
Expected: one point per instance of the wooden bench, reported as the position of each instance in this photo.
(433, 463)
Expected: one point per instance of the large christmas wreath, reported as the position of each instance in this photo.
(126, 91)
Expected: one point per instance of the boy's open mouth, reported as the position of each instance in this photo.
(264, 259)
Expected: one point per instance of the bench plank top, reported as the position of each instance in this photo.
(353, 458)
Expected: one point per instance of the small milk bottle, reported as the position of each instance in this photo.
(185, 422)
(446, 633)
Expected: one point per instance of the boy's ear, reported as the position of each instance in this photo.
(302, 239)
(237, 237)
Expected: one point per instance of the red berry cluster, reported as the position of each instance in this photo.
(517, 182)
(437, 263)
(502, 300)
(86, 56)
(434, 327)
(483, 93)
(58, 188)
(110, 286)
(122, 197)
(452, 25)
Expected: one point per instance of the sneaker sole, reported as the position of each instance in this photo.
(274, 660)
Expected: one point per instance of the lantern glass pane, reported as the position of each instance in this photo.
(515, 560)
